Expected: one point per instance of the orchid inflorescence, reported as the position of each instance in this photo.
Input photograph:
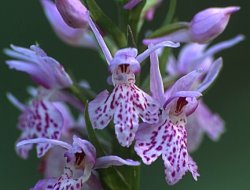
(160, 115)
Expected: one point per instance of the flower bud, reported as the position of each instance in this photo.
(210, 23)
(205, 26)
(73, 12)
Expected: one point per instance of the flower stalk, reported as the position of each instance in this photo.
(144, 116)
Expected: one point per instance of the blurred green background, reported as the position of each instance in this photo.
(222, 165)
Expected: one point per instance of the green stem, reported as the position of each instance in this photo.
(171, 11)
(75, 91)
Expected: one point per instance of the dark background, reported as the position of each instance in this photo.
(222, 165)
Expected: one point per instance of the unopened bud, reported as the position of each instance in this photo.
(209, 23)
(73, 12)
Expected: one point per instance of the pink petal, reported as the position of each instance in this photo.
(150, 140)
(66, 181)
(45, 184)
(145, 105)
(211, 123)
(195, 133)
(41, 119)
(101, 109)
(193, 168)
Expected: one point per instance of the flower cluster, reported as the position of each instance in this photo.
(169, 120)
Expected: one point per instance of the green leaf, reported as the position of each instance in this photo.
(130, 37)
(134, 19)
(170, 13)
(168, 29)
(112, 179)
(106, 23)
(132, 174)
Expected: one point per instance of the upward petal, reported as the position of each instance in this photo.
(156, 84)
(211, 75)
(140, 58)
(188, 56)
(100, 40)
(185, 83)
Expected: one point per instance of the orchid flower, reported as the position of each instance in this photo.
(127, 102)
(39, 119)
(169, 137)
(73, 36)
(194, 56)
(81, 161)
(44, 70)
(52, 164)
